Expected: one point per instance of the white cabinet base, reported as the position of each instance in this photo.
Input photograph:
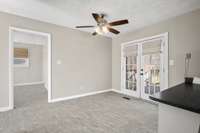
(176, 120)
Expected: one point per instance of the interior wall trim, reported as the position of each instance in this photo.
(117, 91)
(4, 109)
(32, 83)
(79, 96)
(10, 64)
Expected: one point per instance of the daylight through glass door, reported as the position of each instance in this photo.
(131, 58)
(151, 68)
(142, 68)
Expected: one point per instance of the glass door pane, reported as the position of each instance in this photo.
(151, 66)
(131, 70)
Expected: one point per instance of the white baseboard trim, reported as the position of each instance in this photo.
(33, 83)
(4, 109)
(121, 92)
(78, 96)
(117, 91)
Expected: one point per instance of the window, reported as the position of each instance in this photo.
(21, 57)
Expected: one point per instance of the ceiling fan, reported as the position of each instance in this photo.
(103, 26)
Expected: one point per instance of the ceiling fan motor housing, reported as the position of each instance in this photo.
(103, 26)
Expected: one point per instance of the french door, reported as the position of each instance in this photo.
(131, 71)
(143, 68)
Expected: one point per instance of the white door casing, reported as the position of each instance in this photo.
(140, 82)
(11, 41)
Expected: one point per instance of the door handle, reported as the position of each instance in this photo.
(141, 72)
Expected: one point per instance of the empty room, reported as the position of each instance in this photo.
(109, 66)
(30, 67)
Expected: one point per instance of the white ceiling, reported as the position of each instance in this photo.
(78, 12)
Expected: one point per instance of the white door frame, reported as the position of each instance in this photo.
(165, 38)
(143, 95)
(11, 72)
(123, 73)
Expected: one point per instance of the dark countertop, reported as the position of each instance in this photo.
(182, 96)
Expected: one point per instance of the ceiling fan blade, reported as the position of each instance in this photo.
(97, 17)
(120, 22)
(113, 30)
(89, 26)
(94, 33)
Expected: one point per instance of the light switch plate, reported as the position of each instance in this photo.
(59, 62)
(171, 62)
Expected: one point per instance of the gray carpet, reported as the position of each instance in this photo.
(102, 113)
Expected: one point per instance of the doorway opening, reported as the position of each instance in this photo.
(29, 63)
(144, 66)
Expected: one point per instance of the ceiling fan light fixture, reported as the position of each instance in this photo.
(99, 30)
(105, 29)
(102, 30)
(103, 26)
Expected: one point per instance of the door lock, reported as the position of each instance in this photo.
(141, 72)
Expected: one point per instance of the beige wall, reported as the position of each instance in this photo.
(33, 73)
(184, 37)
(86, 60)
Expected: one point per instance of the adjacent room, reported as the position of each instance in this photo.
(109, 66)
(30, 67)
